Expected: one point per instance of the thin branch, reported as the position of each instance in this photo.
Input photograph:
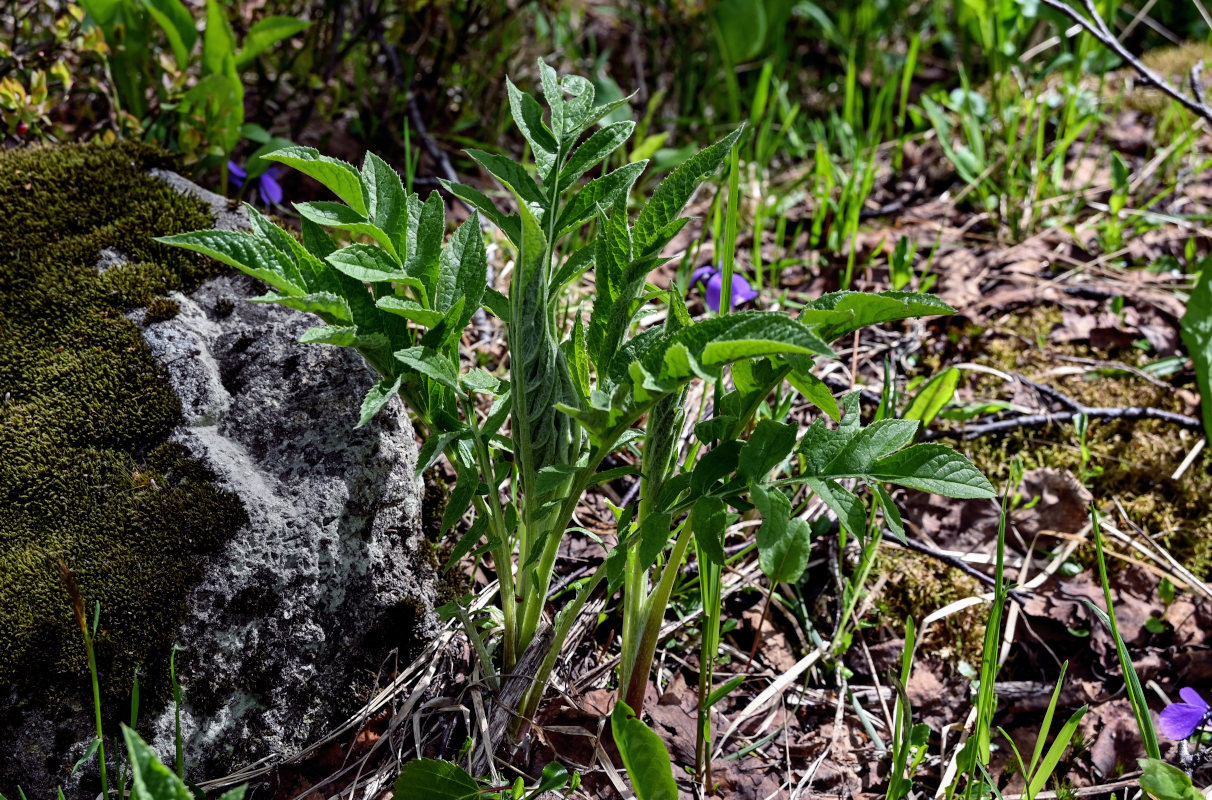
(1097, 27)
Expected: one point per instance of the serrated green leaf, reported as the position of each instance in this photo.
(433, 364)
(338, 176)
(934, 468)
(410, 310)
(379, 396)
(674, 192)
(340, 335)
(387, 202)
(655, 531)
(435, 445)
(246, 252)
(528, 116)
(847, 506)
(462, 271)
(510, 226)
(429, 779)
(873, 442)
(342, 217)
(840, 313)
(366, 263)
(601, 144)
(326, 304)
(644, 756)
(265, 33)
(509, 174)
(700, 349)
(425, 255)
(783, 543)
(600, 191)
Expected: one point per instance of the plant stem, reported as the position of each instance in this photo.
(757, 634)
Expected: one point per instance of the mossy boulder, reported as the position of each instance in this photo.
(208, 491)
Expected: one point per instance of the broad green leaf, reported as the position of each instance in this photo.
(718, 463)
(265, 34)
(425, 251)
(599, 191)
(930, 399)
(1195, 328)
(326, 304)
(708, 519)
(366, 263)
(435, 445)
(340, 335)
(410, 310)
(811, 387)
(766, 447)
(601, 144)
(386, 200)
(644, 756)
(178, 25)
(847, 506)
(840, 313)
(782, 546)
(434, 365)
(510, 226)
(429, 779)
(553, 93)
(462, 271)
(578, 359)
(497, 303)
(151, 780)
(244, 251)
(674, 192)
(553, 477)
(655, 531)
(528, 116)
(933, 468)
(342, 217)
(700, 349)
(1166, 781)
(555, 777)
(379, 396)
(338, 176)
(873, 442)
(509, 174)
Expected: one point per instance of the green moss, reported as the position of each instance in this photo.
(918, 586)
(1136, 458)
(86, 477)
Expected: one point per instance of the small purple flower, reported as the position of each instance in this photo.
(267, 185)
(742, 292)
(1180, 720)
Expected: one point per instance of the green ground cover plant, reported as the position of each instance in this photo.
(576, 391)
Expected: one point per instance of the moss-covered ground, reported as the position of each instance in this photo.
(87, 478)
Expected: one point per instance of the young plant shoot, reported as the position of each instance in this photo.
(390, 287)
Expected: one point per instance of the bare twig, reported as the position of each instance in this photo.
(1093, 24)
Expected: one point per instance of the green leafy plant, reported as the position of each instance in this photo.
(581, 378)
(191, 103)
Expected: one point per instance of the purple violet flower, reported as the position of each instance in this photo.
(267, 185)
(713, 276)
(1180, 720)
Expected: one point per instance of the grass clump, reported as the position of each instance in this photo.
(87, 477)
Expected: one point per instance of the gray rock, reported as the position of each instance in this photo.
(286, 634)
